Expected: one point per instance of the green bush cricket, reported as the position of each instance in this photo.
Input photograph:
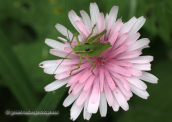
(90, 47)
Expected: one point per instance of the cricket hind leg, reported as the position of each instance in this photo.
(78, 64)
(91, 63)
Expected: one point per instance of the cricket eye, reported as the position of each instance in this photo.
(87, 50)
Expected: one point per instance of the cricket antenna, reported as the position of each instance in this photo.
(59, 65)
(66, 23)
(67, 41)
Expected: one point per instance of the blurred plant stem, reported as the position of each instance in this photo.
(15, 77)
(133, 4)
(48, 103)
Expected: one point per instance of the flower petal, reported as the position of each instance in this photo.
(80, 25)
(48, 64)
(85, 76)
(77, 88)
(113, 15)
(55, 70)
(89, 83)
(121, 99)
(73, 17)
(127, 26)
(94, 13)
(121, 63)
(116, 27)
(140, 22)
(75, 111)
(120, 41)
(95, 91)
(93, 107)
(103, 105)
(55, 44)
(86, 20)
(109, 80)
(133, 71)
(82, 97)
(63, 54)
(145, 67)
(115, 104)
(76, 77)
(141, 93)
(118, 69)
(108, 94)
(87, 115)
(116, 52)
(69, 61)
(138, 44)
(149, 77)
(70, 99)
(131, 39)
(136, 82)
(56, 84)
(64, 31)
(122, 80)
(140, 59)
(121, 87)
(101, 78)
(127, 55)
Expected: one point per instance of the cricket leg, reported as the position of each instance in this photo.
(91, 63)
(78, 64)
(90, 34)
(70, 42)
(74, 35)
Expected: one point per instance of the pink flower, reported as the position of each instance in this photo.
(119, 71)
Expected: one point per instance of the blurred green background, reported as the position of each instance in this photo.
(24, 25)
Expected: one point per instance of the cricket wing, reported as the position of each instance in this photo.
(100, 51)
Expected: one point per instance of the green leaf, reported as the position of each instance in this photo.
(14, 76)
(49, 102)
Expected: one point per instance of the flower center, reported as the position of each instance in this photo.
(101, 61)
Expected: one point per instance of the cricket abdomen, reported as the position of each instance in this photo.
(87, 47)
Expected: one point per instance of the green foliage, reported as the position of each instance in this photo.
(15, 77)
(49, 102)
